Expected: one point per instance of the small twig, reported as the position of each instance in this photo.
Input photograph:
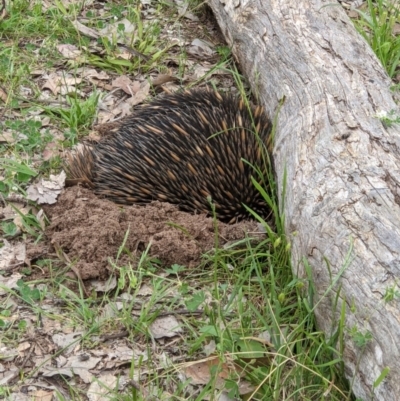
(17, 372)
(15, 265)
(121, 334)
(73, 268)
(181, 312)
(41, 101)
(133, 51)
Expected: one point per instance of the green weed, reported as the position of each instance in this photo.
(28, 294)
(9, 228)
(16, 175)
(377, 27)
(37, 23)
(79, 115)
(28, 137)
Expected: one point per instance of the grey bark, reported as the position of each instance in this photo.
(343, 165)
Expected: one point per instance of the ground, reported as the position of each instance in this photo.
(101, 301)
(91, 230)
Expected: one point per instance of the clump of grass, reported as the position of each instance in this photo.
(79, 115)
(38, 23)
(376, 25)
(16, 175)
(29, 137)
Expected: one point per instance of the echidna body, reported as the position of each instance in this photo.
(187, 149)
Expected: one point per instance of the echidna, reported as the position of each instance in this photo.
(188, 149)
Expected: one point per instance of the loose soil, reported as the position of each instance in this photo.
(90, 230)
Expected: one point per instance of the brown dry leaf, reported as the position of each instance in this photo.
(201, 373)
(123, 109)
(95, 77)
(93, 136)
(55, 133)
(201, 48)
(171, 87)
(166, 326)
(69, 51)
(105, 105)
(52, 83)
(67, 340)
(183, 10)
(101, 85)
(49, 326)
(8, 282)
(120, 355)
(8, 376)
(75, 365)
(210, 348)
(67, 3)
(51, 149)
(162, 79)
(70, 90)
(199, 71)
(104, 286)
(23, 347)
(91, 33)
(125, 55)
(25, 92)
(100, 389)
(145, 290)
(103, 117)
(396, 29)
(81, 366)
(46, 191)
(7, 354)
(109, 311)
(7, 136)
(37, 72)
(59, 83)
(9, 212)
(41, 218)
(11, 255)
(45, 121)
(42, 395)
(50, 371)
(353, 14)
(123, 82)
(92, 73)
(140, 95)
(71, 81)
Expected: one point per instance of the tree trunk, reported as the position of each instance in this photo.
(343, 165)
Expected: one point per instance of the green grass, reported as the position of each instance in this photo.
(376, 25)
(78, 115)
(291, 360)
(242, 305)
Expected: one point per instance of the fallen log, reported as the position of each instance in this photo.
(343, 166)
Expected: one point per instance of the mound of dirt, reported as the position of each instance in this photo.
(90, 230)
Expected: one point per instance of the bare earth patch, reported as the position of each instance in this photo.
(89, 230)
